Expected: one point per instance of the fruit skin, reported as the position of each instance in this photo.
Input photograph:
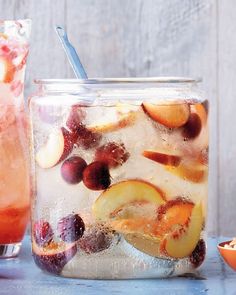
(198, 255)
(112, 154)
(86, 138)
(75, 118)
(42, 232)
(95, 239)
(53, 260)
(193, 127)
(72, 169)
(171, 116)
(58, 146)
(96, 176)
(162, 158)
(182, 242)
(70, 228)
(125, 192)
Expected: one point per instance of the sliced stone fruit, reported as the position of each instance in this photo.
(58, 146)
(182, 242)
(150, 246)
(122, 120)
(162, 158)
(54, 256)
(189, 170)
(171, 115)
(143, 226)
(125, 192)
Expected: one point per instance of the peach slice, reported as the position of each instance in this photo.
(150, 246)
(145, 227)
(57, 148)
(165, 159)
(125, 192)
(192, 171)
(123, 120)
(171, 115)
(7, 70)
(181, 243)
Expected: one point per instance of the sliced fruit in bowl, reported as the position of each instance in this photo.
(54, 256)
(170, 115)
(181, 242)
(58, 146)
(125, 192)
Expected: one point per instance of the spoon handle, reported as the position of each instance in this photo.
(71, 54)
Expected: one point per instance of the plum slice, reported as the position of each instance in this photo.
(53, 257)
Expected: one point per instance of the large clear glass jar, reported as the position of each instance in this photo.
(121, 174)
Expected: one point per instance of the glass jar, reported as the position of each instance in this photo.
(121, 174)
(14, 138)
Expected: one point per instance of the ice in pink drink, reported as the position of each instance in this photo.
(14, 147)
(121, 189)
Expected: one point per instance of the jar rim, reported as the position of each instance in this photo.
(138, 80)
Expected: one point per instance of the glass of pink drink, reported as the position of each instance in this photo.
(14, 148)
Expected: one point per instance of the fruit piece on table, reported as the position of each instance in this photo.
(75, 118)
(182, 242)
(198, 255)
(53, 257)
(150, 246)
(95, 239)
(7, 70)
(58, 146)
(172, 115)
(189, 170)
(42, 233)
(71, 228)
(165, 159)
(125, 192)
(72, 169)
(87, 139)
(112, 154)
(96, 176)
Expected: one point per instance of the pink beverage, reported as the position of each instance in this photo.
(121, 174)
(14, 148)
